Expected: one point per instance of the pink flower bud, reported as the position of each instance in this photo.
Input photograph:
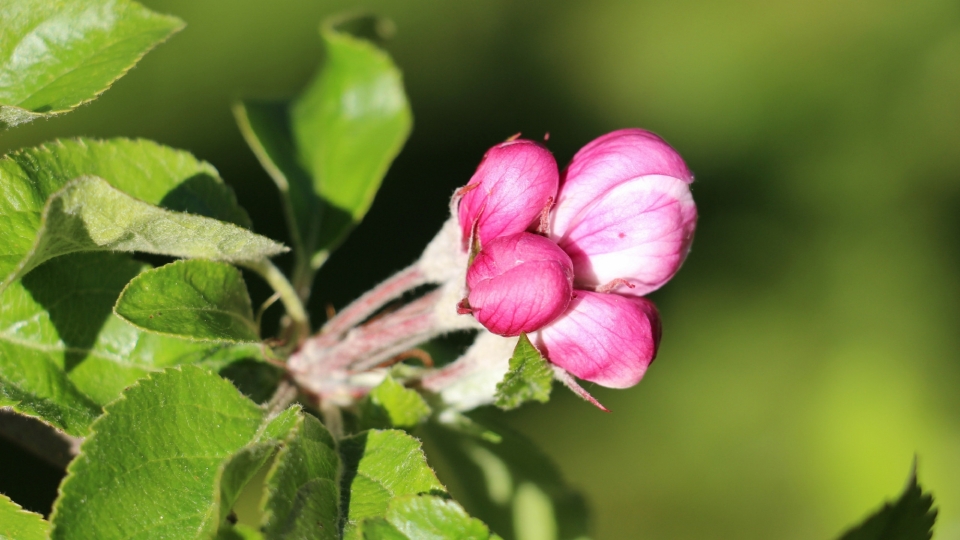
(513, 184)
(603, 338)
(624, 213)
(519, 283)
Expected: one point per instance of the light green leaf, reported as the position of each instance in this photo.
(166, 460)
(19, 524)
(152, 173)
(911, 517)
(414, 517)
(391, 404)
(379, 466)
(55, 56)
(302, 494)
(529, 379)
(330, 149)
(89, 214)
(510, 485)
(63, 353)
(193, 299)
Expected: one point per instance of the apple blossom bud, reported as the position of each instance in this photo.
(513, 184)
(603, 338)
(624, 213)
(519, 283)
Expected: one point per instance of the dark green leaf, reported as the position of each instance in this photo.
(18, 524)
(194, 299)
(390, 404)
(911, 517)
(63, 353)
(166, 460)
(238, 532)
(55, 56)
(529, 379)
(414, 517)
(510, 485)
(379, 466)
(266, 128)
(154, 174)
(303, 498)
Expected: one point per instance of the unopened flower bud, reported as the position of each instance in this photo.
(519, 283)
(603, 338)
(624, 213)
(514, 183)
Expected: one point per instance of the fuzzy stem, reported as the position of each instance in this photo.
(291, 301)
(361, 308)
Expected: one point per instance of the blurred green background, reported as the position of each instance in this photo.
(811, 342)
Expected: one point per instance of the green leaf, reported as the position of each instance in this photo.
(329, 150)
(266, 128)
(424, 516)
(64, 354)
(391, 404)
(55, 56)
(19, 524)
(529, 379)
(911, 517)
(510, 485)
(166, 460)
(152, 173)
(302, 495)
(379, 466)
(89, 214)
(193, 299)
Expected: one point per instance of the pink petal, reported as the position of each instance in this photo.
(638, 232)
(514, 183)
(610, 160)
(603, 338)
(519, 283)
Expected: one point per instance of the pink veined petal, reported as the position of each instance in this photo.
(515, 181)
(519, 283)
(603, 338)
(638, 232)
(621, 156)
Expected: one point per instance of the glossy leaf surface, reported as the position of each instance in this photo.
(55, 56)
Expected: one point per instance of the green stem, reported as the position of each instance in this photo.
(288, 295)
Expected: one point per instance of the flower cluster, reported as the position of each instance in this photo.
(567, 257)
(564, 257)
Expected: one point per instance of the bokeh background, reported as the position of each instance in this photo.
(811, 342)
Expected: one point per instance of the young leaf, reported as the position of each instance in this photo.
(152, 173)
(390, 404)
(424, 516)
(63, 354)
(911, 517)
(377, 467)
(19, 524)
(530, 377)
(89, 214)
(303, 497)
(510, 485)
(194, 299)
(266, 128)
(166, 460)
(58, 55)
(330, 149)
